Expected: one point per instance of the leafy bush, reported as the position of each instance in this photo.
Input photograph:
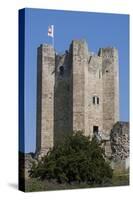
(77, 159)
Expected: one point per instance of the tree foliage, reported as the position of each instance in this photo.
(77, 159)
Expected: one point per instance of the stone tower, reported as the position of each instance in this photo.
(110, 73)
(45, 98)
(78, 90)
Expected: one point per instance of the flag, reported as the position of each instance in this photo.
(51, 31)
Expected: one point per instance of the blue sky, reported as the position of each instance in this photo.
(99, 30)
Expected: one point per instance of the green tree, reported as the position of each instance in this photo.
(77, 159)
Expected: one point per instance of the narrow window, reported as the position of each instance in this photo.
(93, 100)
(97, 100)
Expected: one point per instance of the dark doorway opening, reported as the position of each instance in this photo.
(95, 129)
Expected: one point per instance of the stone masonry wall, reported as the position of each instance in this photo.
(95, 90)
(77, 90)
(119, 140)
(45, 98)
(62, 116)
(110, 88)
(79, 65)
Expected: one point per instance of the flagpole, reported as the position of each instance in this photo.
(53, 41)
(53, 36)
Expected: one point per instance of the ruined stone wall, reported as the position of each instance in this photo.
(119, 141)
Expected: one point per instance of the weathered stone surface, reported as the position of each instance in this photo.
(45, 98)
(110, 76)
(119, 139)
(77, 90)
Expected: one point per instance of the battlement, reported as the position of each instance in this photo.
(47, 50)
(79, 48)
(46, 46)
(108, 52)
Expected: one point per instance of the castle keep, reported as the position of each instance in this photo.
(77, 90)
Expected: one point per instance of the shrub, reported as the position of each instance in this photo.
(77, 159)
